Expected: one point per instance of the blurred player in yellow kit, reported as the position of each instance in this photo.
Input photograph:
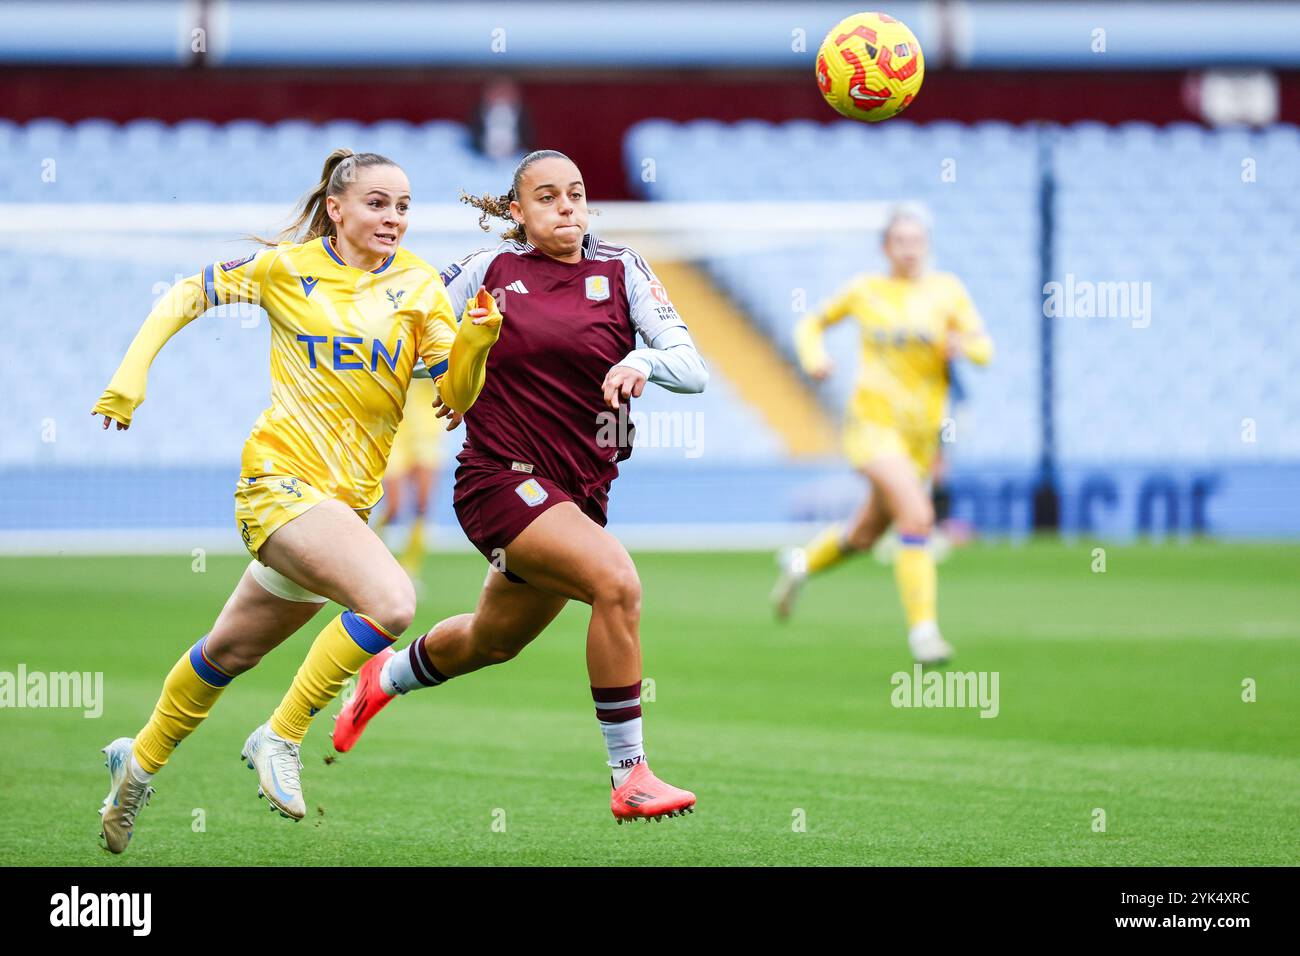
(912, 322)
(350, 313)
(413, 467)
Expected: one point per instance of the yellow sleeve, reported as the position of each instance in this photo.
(240, 280)
(220, 283)
(977, 347)
(459, 369)
(182, 304)
(808, 342)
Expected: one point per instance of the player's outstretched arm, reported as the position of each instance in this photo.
(185, 302)
(967, 336)
(480, 327)
(809, 343)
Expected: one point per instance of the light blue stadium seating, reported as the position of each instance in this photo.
(198, 161)
(1169, 210)
(1166, 206)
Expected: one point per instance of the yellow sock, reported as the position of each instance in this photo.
(191, 688)
(338, 652)
(413, 553)
(825, 550)
(918, 582)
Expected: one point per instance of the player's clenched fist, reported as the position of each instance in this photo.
(482, 311)
(480, 327)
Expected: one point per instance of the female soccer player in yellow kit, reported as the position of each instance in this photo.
(350, 312)
(913, 322)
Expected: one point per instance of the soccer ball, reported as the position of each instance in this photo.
(870, 67)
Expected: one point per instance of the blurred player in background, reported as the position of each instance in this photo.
(350, 311)
(500, 126)
(413, 467)
(913, 323)
(542, 449)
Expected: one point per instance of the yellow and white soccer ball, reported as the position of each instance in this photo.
(870, 67)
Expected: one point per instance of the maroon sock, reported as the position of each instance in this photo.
(422, 667)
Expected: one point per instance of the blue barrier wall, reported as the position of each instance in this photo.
(1230, 500)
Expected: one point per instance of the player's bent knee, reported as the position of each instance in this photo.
(619, 587)
(394, 610)
(917, 521)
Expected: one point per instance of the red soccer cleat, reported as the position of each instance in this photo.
(643, 795)
(364, 704)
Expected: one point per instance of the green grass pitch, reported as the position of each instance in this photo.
(1119, 691)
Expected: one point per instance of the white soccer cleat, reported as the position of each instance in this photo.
(928, 645)
(279, 771)
(794, 572)
(126, 796)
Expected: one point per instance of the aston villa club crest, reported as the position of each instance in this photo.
(597, 288)
(532, 493)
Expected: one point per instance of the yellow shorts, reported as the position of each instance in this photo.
(418, 442)
(267, 503)
(866, 440)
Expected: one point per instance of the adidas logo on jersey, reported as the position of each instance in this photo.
(518, 286)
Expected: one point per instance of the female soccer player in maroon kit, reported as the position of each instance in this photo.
(534, 477)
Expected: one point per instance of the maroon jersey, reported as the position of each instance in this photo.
(541, 410)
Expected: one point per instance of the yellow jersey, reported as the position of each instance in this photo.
(343, 344)
(904, 326)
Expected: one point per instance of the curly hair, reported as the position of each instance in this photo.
(498, 207)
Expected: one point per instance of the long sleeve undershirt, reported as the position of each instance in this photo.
(671, 361)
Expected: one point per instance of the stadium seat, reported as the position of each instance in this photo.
(1161, 207)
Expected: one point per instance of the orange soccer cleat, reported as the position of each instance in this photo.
(363, 705)
(643, 795)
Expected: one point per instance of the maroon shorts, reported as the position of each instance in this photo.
(494, 504)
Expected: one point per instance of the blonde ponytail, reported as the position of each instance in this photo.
(311, 218)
